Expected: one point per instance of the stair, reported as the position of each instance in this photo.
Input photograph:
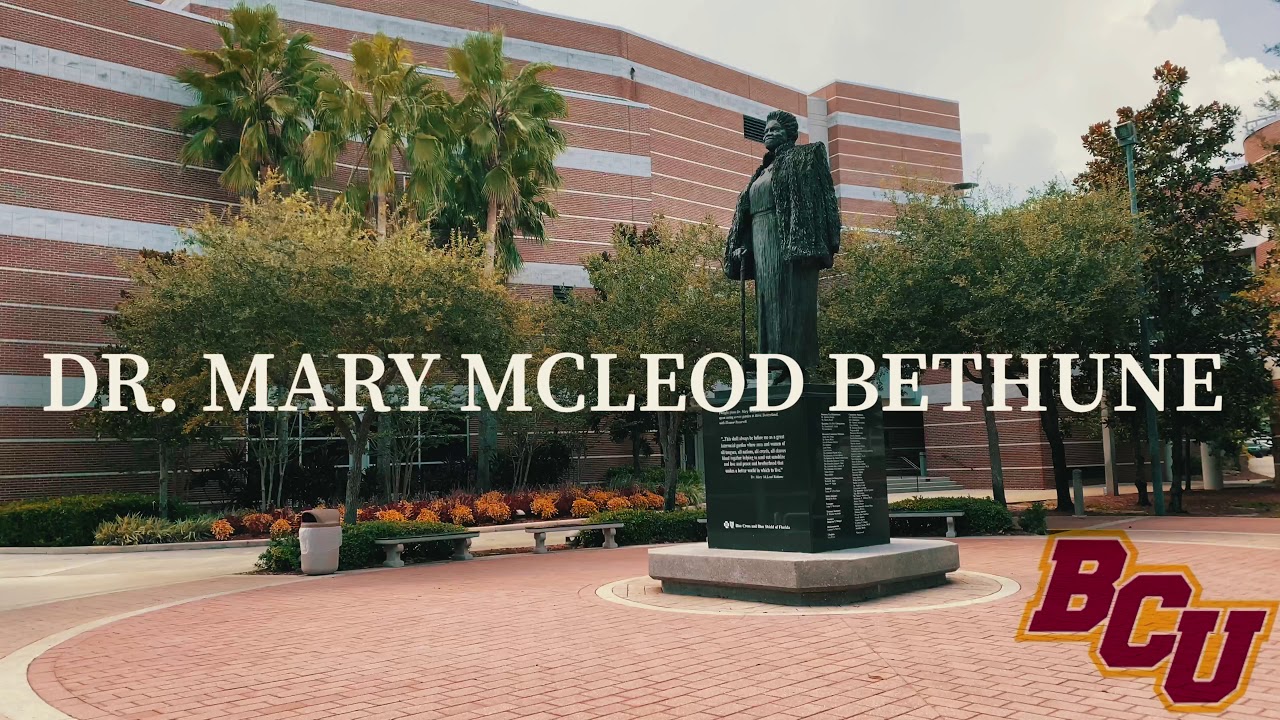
(912, 484)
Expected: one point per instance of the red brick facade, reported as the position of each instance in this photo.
(87, 111)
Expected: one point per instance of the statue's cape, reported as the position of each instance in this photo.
(808, 214)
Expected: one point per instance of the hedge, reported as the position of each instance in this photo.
(648, 527)
(981, 517)
(359, 549)
(72, 520)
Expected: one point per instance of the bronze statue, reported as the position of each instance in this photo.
(786, 228)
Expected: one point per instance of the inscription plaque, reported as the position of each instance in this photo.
(804, 479)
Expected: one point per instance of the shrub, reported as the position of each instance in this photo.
(544, 507)
(222, 530)
(257, 523)
(426, 515)
(583, 507)
(72, 520)
(646, 527)
(618, 503)
(390, 516)
(646, 499)
(135, 529)
(981, 517)
(283, 554)
(1034, 519)
(280, 528)
(682, 500)
(461, 514)
(360, 551)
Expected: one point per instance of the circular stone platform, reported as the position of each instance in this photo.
(963, 588)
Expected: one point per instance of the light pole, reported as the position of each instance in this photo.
(964, 188)
(1127, 136)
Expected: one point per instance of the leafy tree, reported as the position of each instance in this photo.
(925, 286)
(253, 100)
(666, 298)
(289, 277)
(395, 111)
(1202, 298)
(1050, 275)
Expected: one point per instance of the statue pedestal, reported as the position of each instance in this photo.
(804, 479)
(798, 511)
(837, 577)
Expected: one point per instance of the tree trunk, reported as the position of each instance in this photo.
(491, 239)
(993, 437)
(357, 441)
(486, 448)
(669, 434)
(635, 454)
(1140, 473)
(165, 461)
(1049, 423)
(1175, 480)
(380, 207)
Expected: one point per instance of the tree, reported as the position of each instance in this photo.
(253, 103)
(667, 298)
(1070, 288)
(501, 166)
(395, 111)
(926, 285)
(1201, 297)
(1051, 274)
(504, 160)
(291, 278)
(169, 375)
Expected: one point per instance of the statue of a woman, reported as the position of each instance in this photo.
(785, 229)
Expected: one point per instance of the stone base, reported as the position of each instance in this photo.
(838, 577)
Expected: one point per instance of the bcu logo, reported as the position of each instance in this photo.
(1146, 621)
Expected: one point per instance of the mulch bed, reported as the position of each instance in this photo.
(1260, 500)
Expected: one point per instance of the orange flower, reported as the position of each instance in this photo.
(390, 516)
(544, 507)
(583, 508)
(257, 522)
(222, 530)
(280, 528)
(618, 503)
(428, 516)
(461, 514)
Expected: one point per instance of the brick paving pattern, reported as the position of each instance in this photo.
(527, 637)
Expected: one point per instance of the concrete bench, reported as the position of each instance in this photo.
(540, 534)
(395, 546)
(950, 515)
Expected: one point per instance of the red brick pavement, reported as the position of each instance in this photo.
(526, 637)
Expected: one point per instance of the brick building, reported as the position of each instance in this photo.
(89, 174)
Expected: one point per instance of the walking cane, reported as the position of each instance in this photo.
(742, 303)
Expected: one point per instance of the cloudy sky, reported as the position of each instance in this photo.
(1030, 75)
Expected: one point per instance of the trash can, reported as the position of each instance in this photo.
(319, 538)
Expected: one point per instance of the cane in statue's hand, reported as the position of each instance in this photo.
(739, 255)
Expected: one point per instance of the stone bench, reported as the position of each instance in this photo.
(395, 546)
(950, 515)
(540, 534)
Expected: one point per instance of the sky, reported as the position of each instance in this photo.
(1031, 76)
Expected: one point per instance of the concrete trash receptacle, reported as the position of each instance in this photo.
(319, 538)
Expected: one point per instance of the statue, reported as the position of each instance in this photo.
(786, 228)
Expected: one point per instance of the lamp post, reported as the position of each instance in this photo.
(964, 188)
(1127, 136)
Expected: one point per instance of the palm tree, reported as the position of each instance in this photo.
(254, 101)
(504, 161)
(393, 109)
(502, 165)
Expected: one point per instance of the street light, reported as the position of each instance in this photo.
(1127, 136)
(964, 188)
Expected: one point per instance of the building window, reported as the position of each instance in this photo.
(753, 128)
(562, 293)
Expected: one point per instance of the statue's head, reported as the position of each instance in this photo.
(781, 129)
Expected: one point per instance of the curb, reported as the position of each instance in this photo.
(155, 547)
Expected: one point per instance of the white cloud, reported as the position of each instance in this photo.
(1030, 76)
